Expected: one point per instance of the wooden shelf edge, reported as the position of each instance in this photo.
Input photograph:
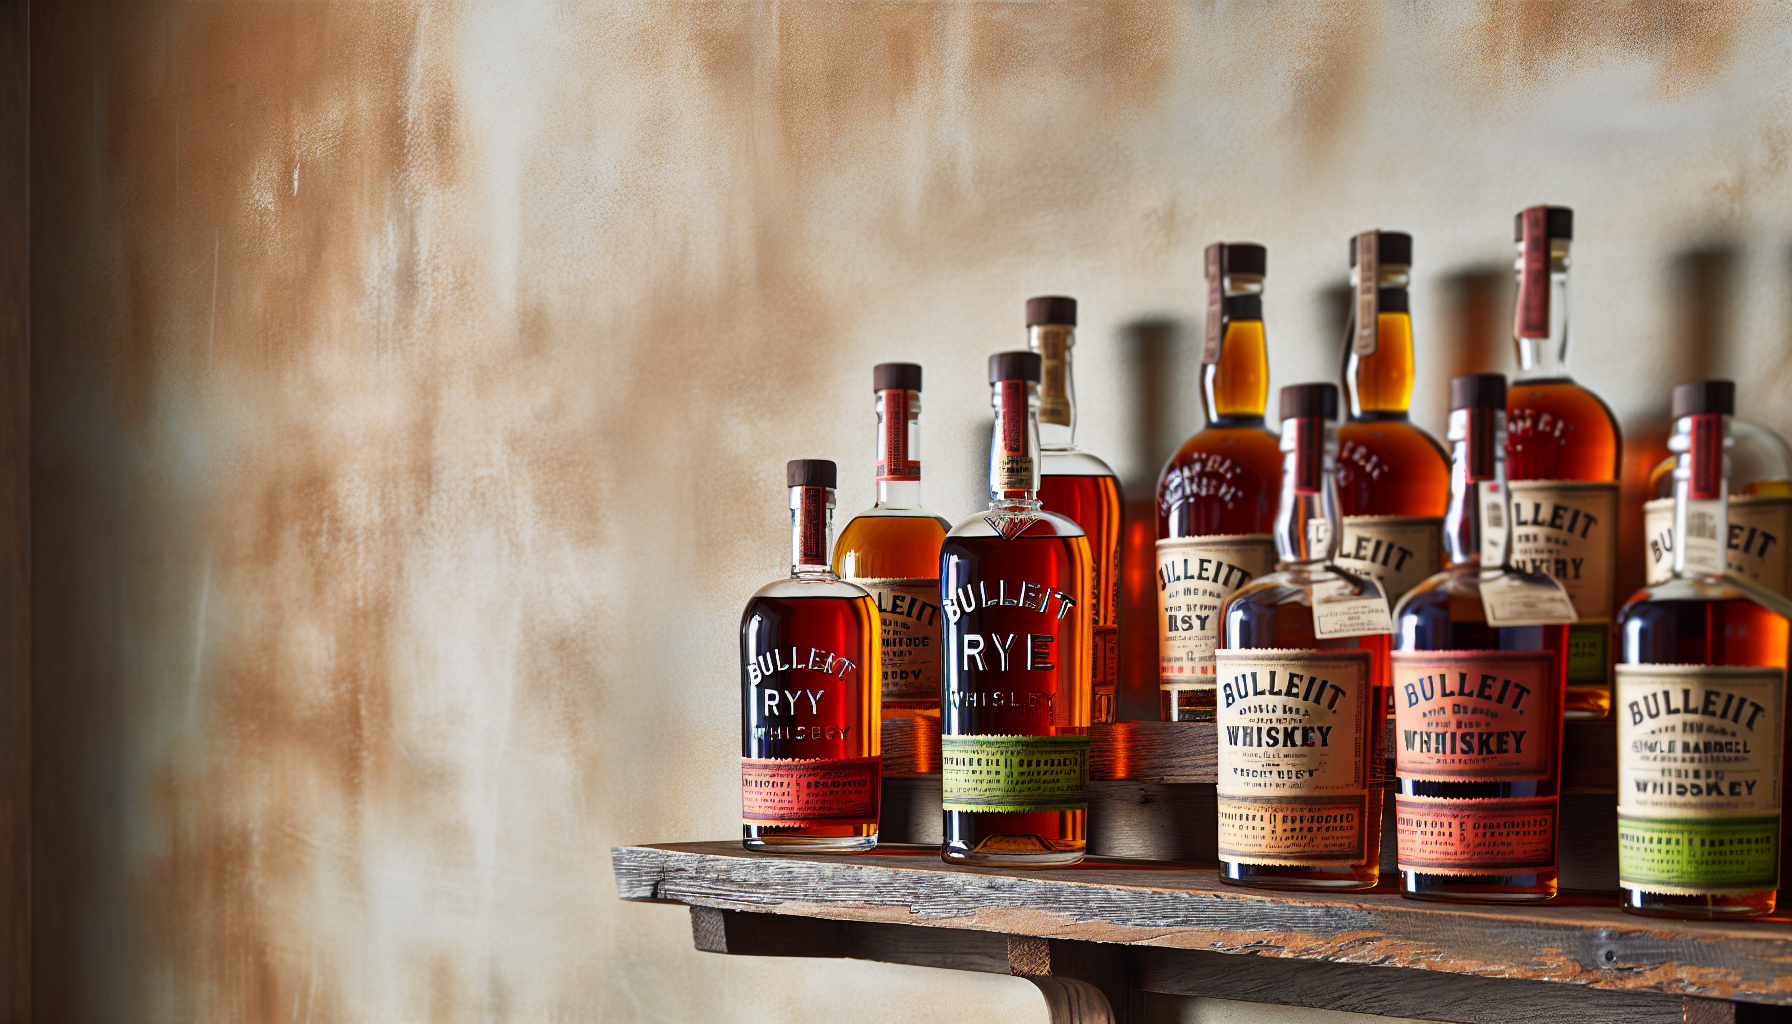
(1584, 942)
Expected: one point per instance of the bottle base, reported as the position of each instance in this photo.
(1585, 701)
(1415, 885)
(809, 844)
(1043, 854)
(1707, 908)
(1263, 876)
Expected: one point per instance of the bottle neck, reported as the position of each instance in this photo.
(1057, 386)
(811, 532)
(898, 449)
(1307, 518)
(1014, 448)
(1378, 369)
(1235, 387)
(1540, 326)
(1475, 525)
(1701, 494)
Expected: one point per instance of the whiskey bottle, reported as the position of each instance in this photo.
(1760, 535)
(1016, 585)
(1562, 455)
(1701, 704)
(1216, 496)
(893, 550)
(1393, 478)
(1301, 671)
(810, 769)
(1076, 484)
(1478, 685)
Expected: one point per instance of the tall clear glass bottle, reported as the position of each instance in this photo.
(1563, 455)
(892, 550)
(1760, 536)
(1075, 483)
(1701, 703)
(1301, 671)
(1393, 478)
(1216, 496)
(811, 770)
(1478, 689)
(1015, 585)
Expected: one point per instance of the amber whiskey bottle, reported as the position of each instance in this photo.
(1301, 667)
(1760, 535)
(1563, 450)
(892, 550)
(1700, 699)
(1216, 496)
(1076, 484)
(1016, 585)
(1393, 478)
(810, 769)
(1478, 696)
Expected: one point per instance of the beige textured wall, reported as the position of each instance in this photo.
(412, 386)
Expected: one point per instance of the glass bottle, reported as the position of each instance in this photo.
(1015, 585)
(1075, 483)
(1477, 706)
(1563, 449)
(1760, 538)
(811, 771)
(1393, 478)
(1301, 671)
(1216, 496)
(893, 551)
(1701, 701)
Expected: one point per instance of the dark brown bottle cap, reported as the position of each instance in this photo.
(1243, 307)
(896, 376)
(810, 473)
(1303, 401)
(1015, 366)
(1478, 391)
(1393, 247)
(1244, 258)
(1051, 309)
(1560, 223)
(1705, 398)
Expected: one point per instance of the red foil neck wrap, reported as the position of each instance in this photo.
(812, 526)
(892, 455)
(1309, 454)
(1533, 279)
(1706, 481)
(1480, 445)
(1014, 418)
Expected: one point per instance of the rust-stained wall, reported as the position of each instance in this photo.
(412, 384)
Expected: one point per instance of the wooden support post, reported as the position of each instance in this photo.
(1082, 982)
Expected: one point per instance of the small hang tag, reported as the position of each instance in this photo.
(1368, 293)
(1493, 521)
(1214, 340)
(1513, 598)
(1344, 608)
(1707, 530)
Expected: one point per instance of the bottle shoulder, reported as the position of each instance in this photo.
(1072, 462)
(1681, 590)
(1244, 456)
(1045, 525)
(882, 512)
(796, 588)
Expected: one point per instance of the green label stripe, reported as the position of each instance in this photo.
(1586, 651)
(1014, 774)
(1692, 856)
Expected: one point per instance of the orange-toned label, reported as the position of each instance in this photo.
(783, 792)
(1511, 836)
(1315, 831)
(1474, 716)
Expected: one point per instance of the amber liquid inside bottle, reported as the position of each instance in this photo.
(1558, 430)
(1386, 465)
(834, 717)
(982, 700)
(1094, 503)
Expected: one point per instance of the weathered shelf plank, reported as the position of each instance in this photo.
(1579, 939)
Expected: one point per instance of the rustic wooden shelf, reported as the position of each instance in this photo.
(1101, 938)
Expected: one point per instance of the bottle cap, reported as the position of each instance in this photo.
(1243, 258)
(896, 377)
(1393, 247)
(810, 473)
(1705, 397)
(1051, 309)
(1244, 307)
(1015, 366)
(1560, 223)
(1301, 401)
(1478, 391)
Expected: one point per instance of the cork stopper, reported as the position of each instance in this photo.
(810, 473)
(1705, 398)
(1051, 309)
(1015, 366)
(1393, 247)
(896, 377)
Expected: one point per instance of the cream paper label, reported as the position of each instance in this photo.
(1293, 756)
(1757, 546)
(1398, 551)
(1569, 529)
(908, 613)
(1195, 575)
(1054, 388)
(1699, 750)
